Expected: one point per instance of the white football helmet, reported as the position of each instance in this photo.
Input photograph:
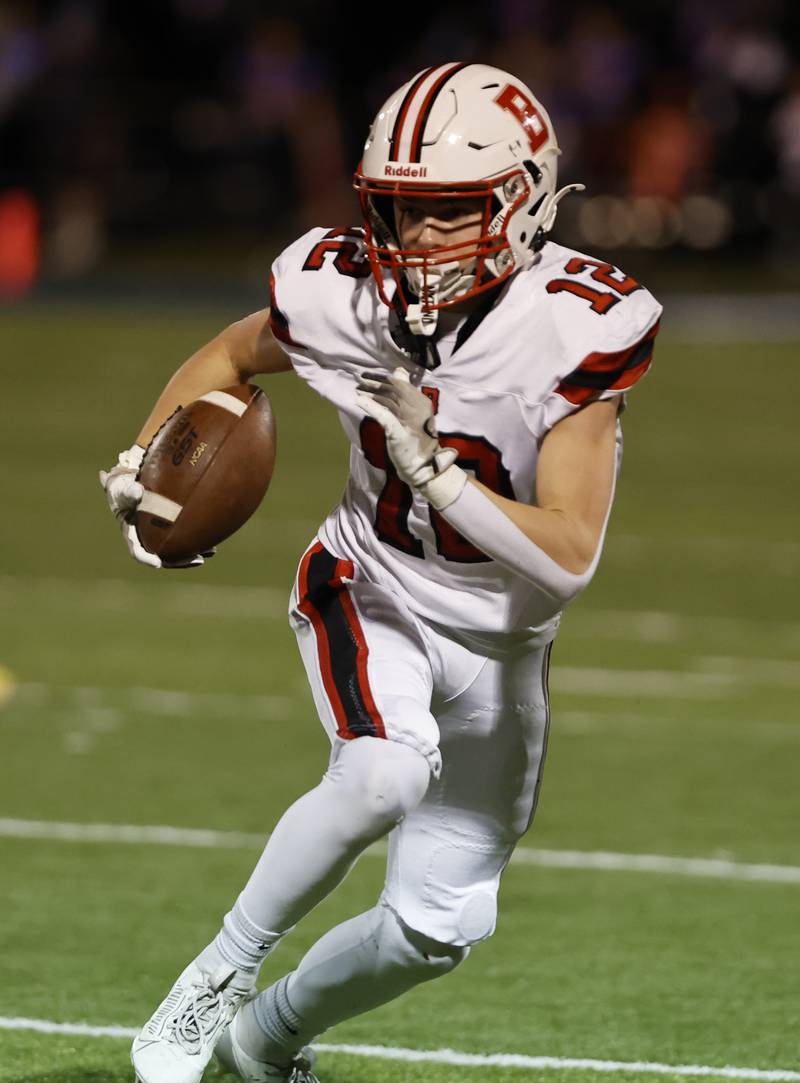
(458, 131)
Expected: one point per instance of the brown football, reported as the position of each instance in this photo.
(206, 471)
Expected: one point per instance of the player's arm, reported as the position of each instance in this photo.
(556, 544)
(243, 350)
(574, 485)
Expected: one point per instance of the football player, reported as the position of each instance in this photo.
(479, 370)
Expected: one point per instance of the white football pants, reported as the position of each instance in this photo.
(481, 724)
(438, 746)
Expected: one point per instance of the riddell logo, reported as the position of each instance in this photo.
(405, 171)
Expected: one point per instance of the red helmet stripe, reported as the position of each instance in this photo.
(397, 131)
(425, 110)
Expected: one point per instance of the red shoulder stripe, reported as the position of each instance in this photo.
(615, 371)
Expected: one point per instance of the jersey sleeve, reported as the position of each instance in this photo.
(311, 287)
(606, 325)
(605, 374)
(318, 298)
(292, 317)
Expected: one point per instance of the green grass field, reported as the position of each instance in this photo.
(178, 698)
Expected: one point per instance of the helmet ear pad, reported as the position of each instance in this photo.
(527, 227)
(516, 215)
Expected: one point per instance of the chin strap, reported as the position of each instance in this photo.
(422, 321)
(422, 317)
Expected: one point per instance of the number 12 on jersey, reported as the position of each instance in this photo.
(600, 301)
(475, 454)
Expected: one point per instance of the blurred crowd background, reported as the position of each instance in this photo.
(209, 131)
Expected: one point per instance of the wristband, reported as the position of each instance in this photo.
(444, 489)
(132, 458)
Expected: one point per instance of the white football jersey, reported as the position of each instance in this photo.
(566, 331)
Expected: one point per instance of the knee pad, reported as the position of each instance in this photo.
(412, 950)
(383, 780)
(444, 887)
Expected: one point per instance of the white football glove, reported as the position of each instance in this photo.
(406, 415)
(124, 493)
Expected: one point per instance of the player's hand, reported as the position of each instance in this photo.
(144, 556)
(124, 493)
(406, 415)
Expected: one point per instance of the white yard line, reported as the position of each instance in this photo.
(776, 672)
(716, 868)
(596, 860)
(714, 678)
(452, 1056)
(520, 1060)
(712, 547)
(193, 597)
(190, 598)
(44, 1026)
(156, 835)
(638, 683)
(158, 701)
(660, 626)
(711, 677)
(619, 722)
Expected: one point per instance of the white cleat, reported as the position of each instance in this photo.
(234, 1059)
(177, 1042)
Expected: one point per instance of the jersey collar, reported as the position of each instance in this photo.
(423, 350)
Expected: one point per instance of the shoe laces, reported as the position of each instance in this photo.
(301, 1071)
(199, 1019)
(302, 1075)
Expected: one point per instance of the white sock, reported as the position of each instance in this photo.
(241, 942)
(355, 967)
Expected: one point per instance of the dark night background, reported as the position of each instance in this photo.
(199, 135)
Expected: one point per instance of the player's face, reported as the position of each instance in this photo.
(435, 221)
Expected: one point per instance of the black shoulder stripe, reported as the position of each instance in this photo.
(601, 380)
